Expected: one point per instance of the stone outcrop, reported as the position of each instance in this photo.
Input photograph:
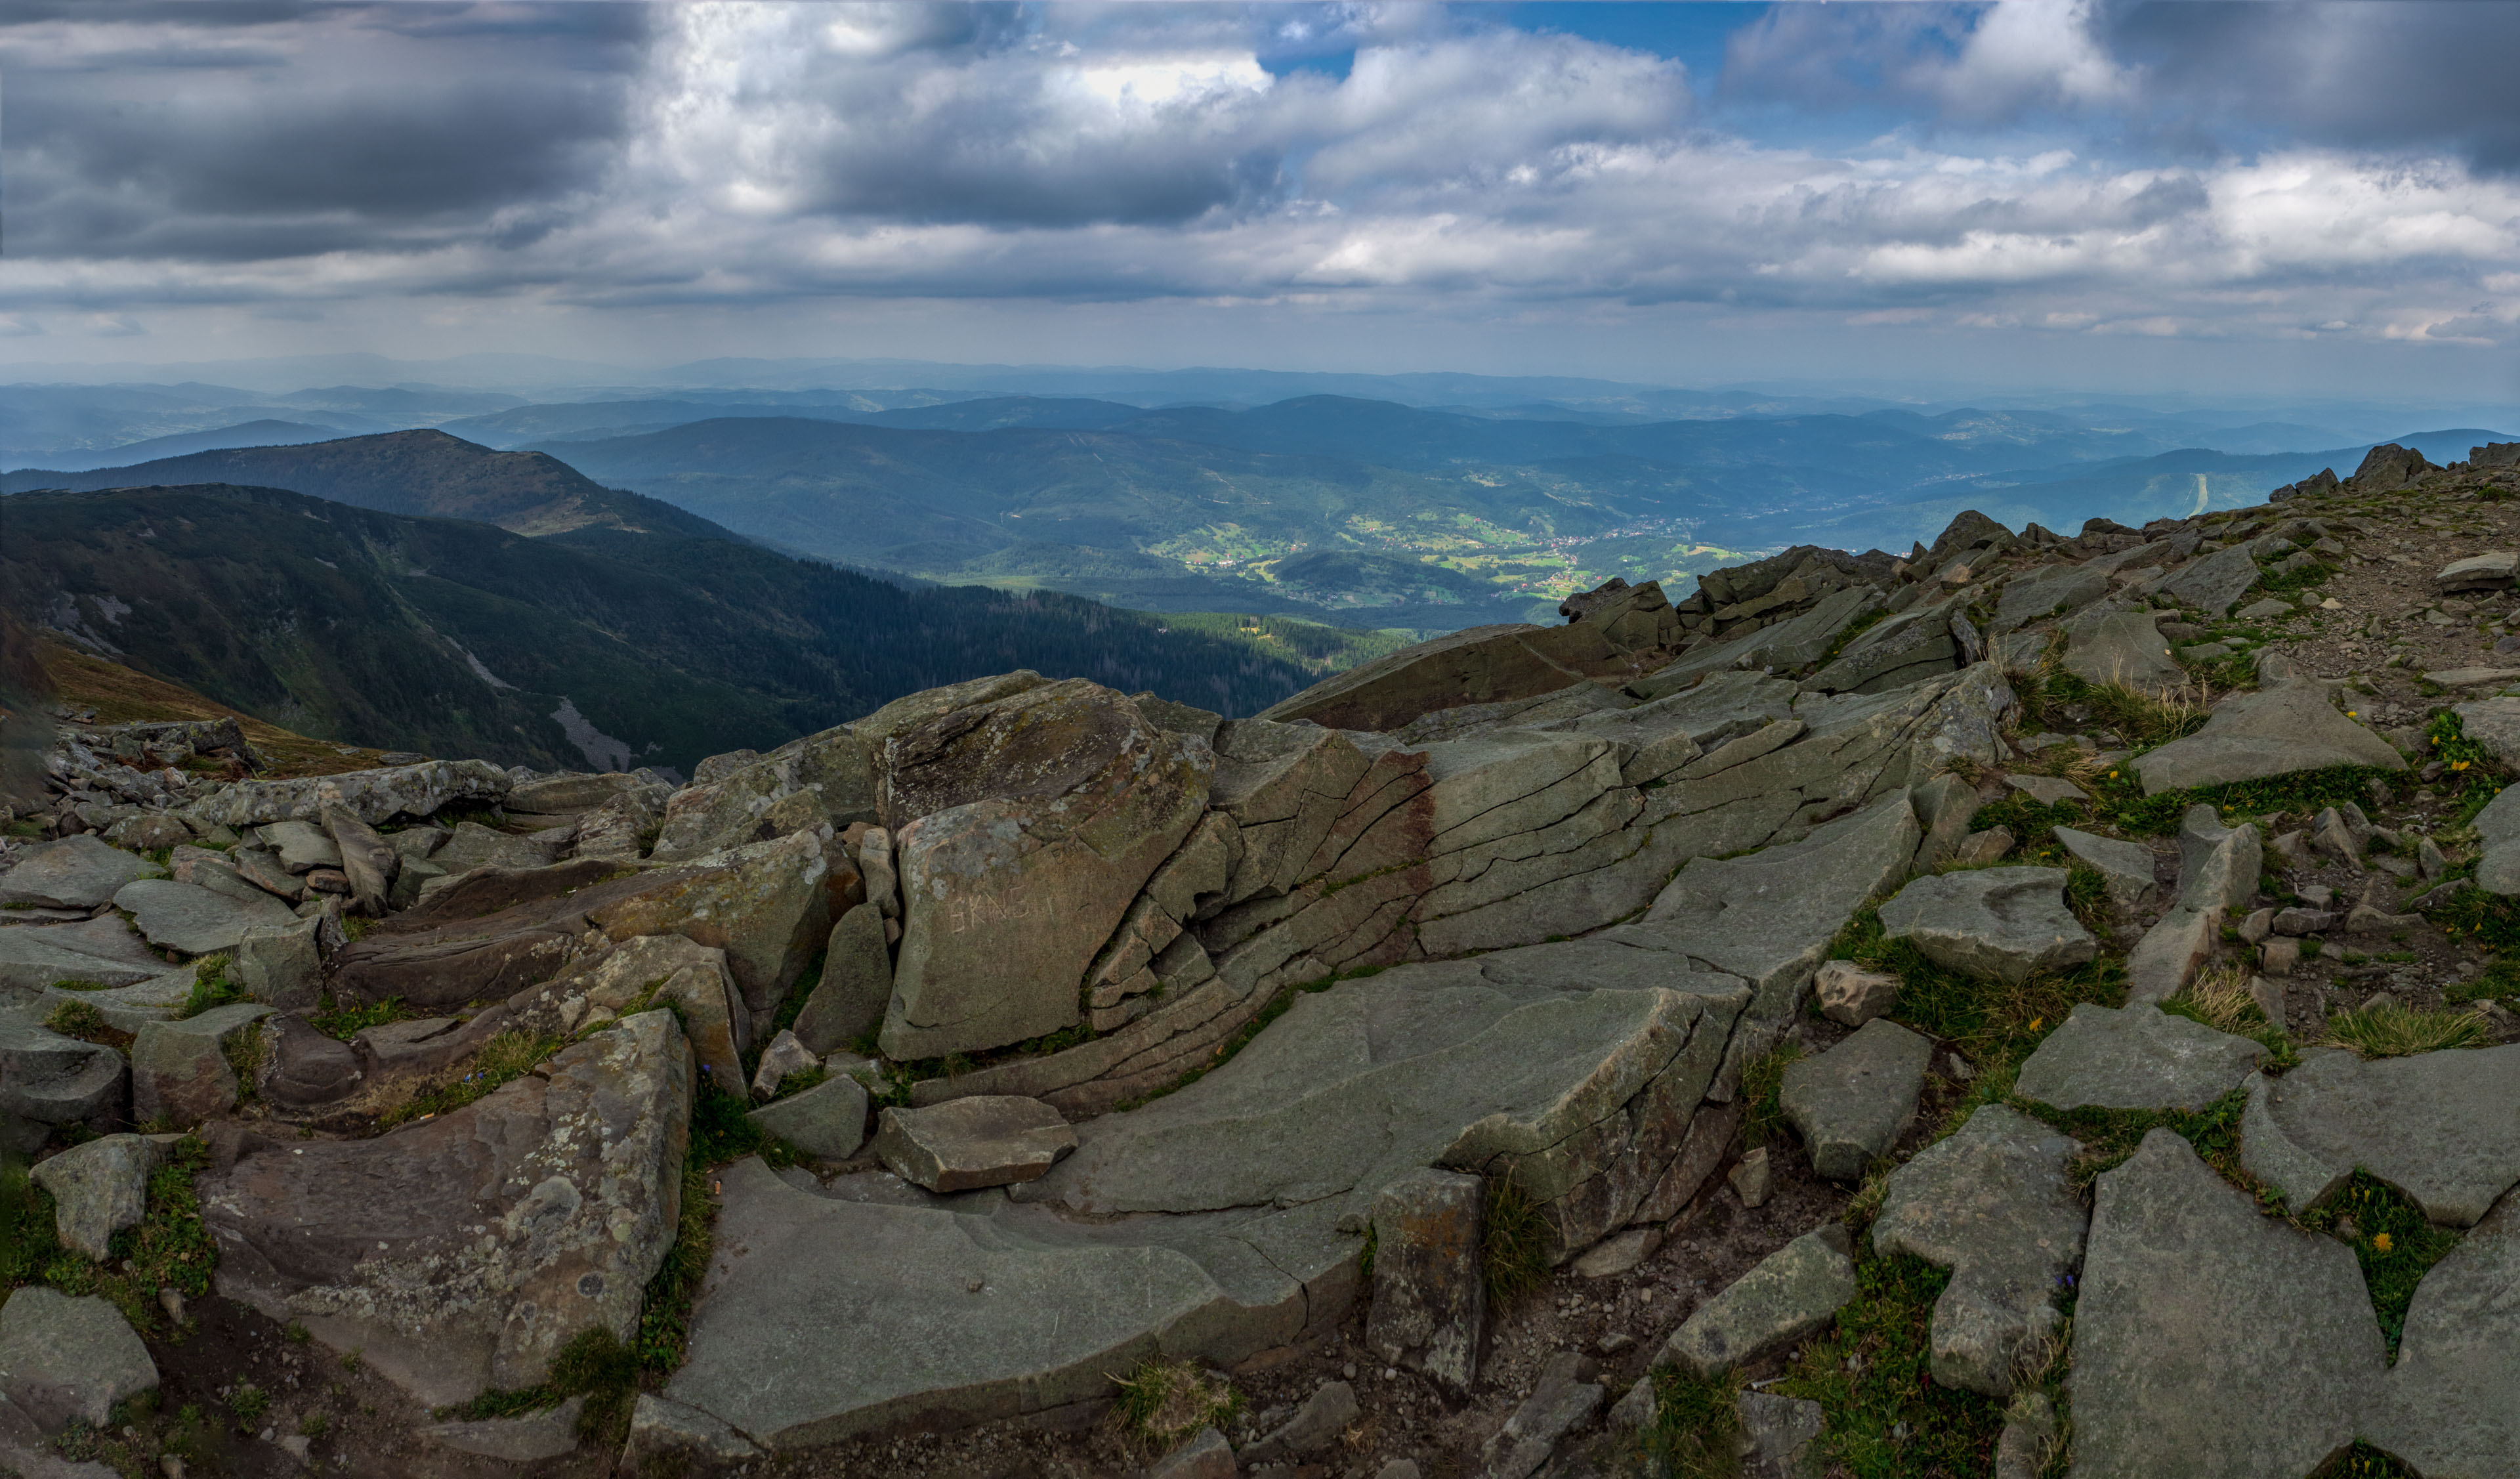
(1023, 830)
(372, 796)
(459, 1252)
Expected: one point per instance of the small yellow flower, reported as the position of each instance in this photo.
(2459, 764)
(2351, 714)
(2036, 1023)
(2380, 1243)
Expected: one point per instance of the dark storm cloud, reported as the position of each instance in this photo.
(276, 132)
(2402, 74)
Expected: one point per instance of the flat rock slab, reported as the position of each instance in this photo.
(186, 917)
(2002, 924)
(371, 795)
(1851, 1103)
(2136, 1057)
(963, 1145)
(1994, 1203)
(460, 1253)
(2047, 790)
(1769, 917)
(32, 959)
(65, 1358)
(74, 873)
(2444, 1128)
(1791, 1295)
(1266, 1170)
(2210, 1341)
(2289, 726)
(2126, 866)
(2451, 1405)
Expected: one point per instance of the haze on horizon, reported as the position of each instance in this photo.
(2228, 200)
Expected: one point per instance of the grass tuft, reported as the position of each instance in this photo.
(2388, 1030)
(1163, 1401)
(1887, 1416)
(2392, 1239)
(505, 1058)
(347, 1022)
(1514, 1250)
(1763, 1082)
(211, 986)
(1696, 1425)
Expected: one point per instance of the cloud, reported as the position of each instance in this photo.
(577, 160)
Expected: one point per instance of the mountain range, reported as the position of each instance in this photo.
(599, 645)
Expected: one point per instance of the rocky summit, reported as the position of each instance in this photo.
(2028, 1005)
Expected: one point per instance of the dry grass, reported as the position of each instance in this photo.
(2220, 999)
(121, 695)
(1162, 1401)
(2391, 1031)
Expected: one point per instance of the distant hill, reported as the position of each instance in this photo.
(421, 473)
(263, 433)
(459, 638)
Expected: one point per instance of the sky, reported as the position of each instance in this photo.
(2078, 193)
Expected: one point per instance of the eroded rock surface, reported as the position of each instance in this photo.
(459, 1252)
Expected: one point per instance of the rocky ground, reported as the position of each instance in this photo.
(2035, 1005)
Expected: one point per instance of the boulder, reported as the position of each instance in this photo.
(827, 1122)
(280, 965)
(1789, 1296)
(147, 832)
(2387, 468)
(2289, 725)
(2136, 1057)
(302, 845)
(64, 1359)
(371, 795)
(2003, 924)
(1917, 643)
(179, 1070)
(2451, 1403)
(2214, 582)
(850, 1000)
(99, 1189)
(1030, 825)
(365, 856)
(1315, 1425)
(1995, 1203)
(1851, 1103)
(2122, 647)
(2492, 570)
(1779, 1436)
(2052, 590)
(459, 1252)
(643, 972)
(1429, 1283)
(475, 846)
(985, 1140)
(74, 873)
(1848, 994)
(620, 827)
(2209, 1339)
(763, 904)
(2492, 722)
(1560, 1402)
(52, 1080)
(2126, 866)
(2435, 1125)
(189, 918)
